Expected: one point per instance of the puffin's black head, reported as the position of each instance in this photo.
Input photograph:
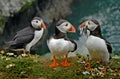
(38, 23)
(90, 24)
(91, 27)
(96, 22)
(64, 26)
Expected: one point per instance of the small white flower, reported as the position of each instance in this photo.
(10, 54)
(86, 72)
(111, 70)
(23, 72)
(10, 65)
(101, 68)
(115, 74)
(97, 74)
(7, 58)
(119, 74)
(118, 62)
(24, 55)
(95, 69)
(82, 62)
(2, 51)
(101, 73)
(93, 74)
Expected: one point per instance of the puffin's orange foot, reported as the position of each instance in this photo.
(53, 65)
(104, 73)
(65, 63)
(89, 66)
(105, 69)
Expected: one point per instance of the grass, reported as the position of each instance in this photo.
(36, 67)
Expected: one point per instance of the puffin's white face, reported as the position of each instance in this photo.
(91, 25)
(36, 23)
(87, 26)
(66, 27)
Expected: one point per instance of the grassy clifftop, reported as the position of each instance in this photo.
(36, 67)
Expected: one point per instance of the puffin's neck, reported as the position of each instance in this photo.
(59, 34)
(35, 28)
(96, 32)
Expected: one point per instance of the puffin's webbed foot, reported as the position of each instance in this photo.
(54, 64)
(89, 66)
(105, 69)
(65, 62)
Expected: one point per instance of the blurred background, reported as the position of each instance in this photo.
(17, 14)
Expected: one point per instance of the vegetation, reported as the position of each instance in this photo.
(27, 5)
(36, 67)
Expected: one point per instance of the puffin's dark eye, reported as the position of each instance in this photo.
(66, 25)
(36, 21)
(89, 23)
(87, 26)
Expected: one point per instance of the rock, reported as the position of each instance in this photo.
(10, 7)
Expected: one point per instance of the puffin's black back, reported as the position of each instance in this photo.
(97, 32)
(74, 44)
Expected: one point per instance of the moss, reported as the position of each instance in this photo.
(27, 5)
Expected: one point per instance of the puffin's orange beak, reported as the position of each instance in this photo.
(72, 29)
(43, 25)
(82, 25)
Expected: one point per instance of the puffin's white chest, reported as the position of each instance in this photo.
(97, 48)
(37, 36)
(59, 46)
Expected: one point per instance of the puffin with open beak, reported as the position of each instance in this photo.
(29, 36)
(59, 44)
(99, 48)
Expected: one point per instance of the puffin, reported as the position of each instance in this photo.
(29, 36)
(59, 44)
(99, 48)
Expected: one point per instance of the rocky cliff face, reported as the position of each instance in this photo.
(8, 8)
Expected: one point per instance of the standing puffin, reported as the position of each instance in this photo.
(29, 36)
(99, 48)
(59, 44)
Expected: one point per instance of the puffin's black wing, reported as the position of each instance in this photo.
(24, 32)
(22, 37)
(74, 44)
(109, 47)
